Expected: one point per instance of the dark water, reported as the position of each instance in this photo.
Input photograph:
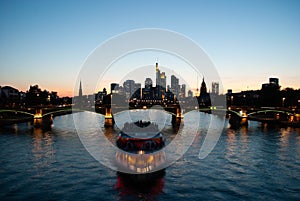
(254, 163)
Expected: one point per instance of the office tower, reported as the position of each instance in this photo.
(161, 82)
(157, 75)
(175, 87)
(114, 88)
(215, 88)
(182, 91)
(148, 83)
(129, 88)
(190, 93)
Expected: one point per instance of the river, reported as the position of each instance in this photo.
(254, 163)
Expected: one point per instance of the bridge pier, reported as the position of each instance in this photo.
(109, 120)
(237, 121)
(40, 120)
(176, 121)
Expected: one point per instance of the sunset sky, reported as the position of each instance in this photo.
(47, 42)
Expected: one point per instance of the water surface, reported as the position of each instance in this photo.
(257, 162)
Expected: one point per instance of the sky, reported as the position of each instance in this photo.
(47, 42)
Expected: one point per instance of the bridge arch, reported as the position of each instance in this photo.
(173, 114)
(269, 111)
(16, 111)
(221, 110)
(58, 111)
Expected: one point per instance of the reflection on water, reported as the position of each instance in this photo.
(42, 147)
(258, 162)
(140, 187)
(231, 142)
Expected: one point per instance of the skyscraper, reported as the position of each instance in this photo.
(182, 91)
(157, 74)
(161, 82)
(175, 87)
(190, 93)
(114, 88)
(129, 88)
(148, 83)
(215, 88)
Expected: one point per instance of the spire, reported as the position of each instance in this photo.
(80, 89)
(203, 89)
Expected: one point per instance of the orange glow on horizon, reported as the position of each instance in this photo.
(68, 89)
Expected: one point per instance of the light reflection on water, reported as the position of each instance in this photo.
(42, 148)
(258, 162)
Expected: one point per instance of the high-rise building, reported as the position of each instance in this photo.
(215, 88)
(147, 92)
(175, 87)
(137, 90)
(163, 80)
(161, 83)
(182, 91)
(114, 88)
(190, 93)
(99, 96)
(148, 83)
(129, 88)
(157, 75)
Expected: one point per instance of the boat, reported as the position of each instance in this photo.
(140, 136)
(140, 150)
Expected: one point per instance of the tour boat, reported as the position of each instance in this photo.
(140, 136)
(141, 149)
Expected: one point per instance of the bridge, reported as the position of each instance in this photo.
(238, 116)
(285, 116)
(108, 112)
(40, 116)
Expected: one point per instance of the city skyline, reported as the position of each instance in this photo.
(248, 41)
(211, 88)
(169, 77)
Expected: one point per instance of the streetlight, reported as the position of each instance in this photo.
(283, 99)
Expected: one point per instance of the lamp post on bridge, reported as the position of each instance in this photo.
(283, 99)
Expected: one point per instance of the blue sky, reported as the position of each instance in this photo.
(46, 42)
